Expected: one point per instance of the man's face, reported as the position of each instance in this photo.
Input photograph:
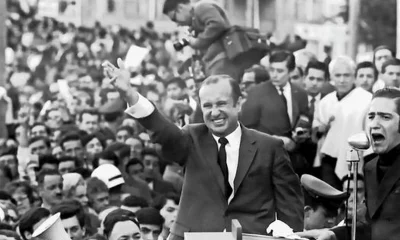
(122, 136)
(94, 147)
(89, 123)
(383, 125)
(100, 201)
(380, 57)
(136, 147)
(73, 228)
(319, 218)
(391, 77)
(314, 81)
(81, 195)
(296, 78)
(54, 119)
(10, 161)
(175, 92)
(39, 148)
(39, 130)
(135, 170)
(74, 148)
(181, 15)
(365, 78)
(192, 88)
(343, 77)
(150, 232)
(23, 203)
(169, 213)
(360, 194)
(279, 73)
(66, 167)
(151, 167)
(125, 230)
(51, 191)
(220, 113)
(87, 82)
(248, 80)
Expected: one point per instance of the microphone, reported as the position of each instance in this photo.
(359, 141)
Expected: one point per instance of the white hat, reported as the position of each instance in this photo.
(109, 174)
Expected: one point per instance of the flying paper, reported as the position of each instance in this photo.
(135, 56)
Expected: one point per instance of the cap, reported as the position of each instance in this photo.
(323, 192)
(109, 174)
(150, 216)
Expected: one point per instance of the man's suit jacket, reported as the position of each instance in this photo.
(383, 204)
(265, 111)
(265, 183)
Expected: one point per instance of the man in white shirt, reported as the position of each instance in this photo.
(231, 172)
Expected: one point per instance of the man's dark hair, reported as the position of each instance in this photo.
(30, 218)
(150, 151)
(390, 62)
(360, 177)
(69, 209)
(118, 215)
(178, 81)
(47, 159)
(260, 73)
(150, 216)
(5, 196)
(68, 159)
(389, 93)
(89, 112)
(319, 66)
(135, 201)
(367, 64)
(129, 129)
(382, 47)
(46, 172)
(90, 137)
(40, 138)
(40, 124)
(70, 137)
(95, 186)
(160, 201)
(236, 92)
(170, 5)
(13, 186)
(284, 56)
(132, 162)
(110, 156)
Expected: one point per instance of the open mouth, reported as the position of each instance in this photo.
(377, 138)
(218, 121)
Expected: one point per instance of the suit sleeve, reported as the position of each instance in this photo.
(251, 111)
(215, 25)
(287, 190)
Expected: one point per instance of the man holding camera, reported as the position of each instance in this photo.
(209, 23)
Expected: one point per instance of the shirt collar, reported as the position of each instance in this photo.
(317, 97)
(233, 138)
(286, 88)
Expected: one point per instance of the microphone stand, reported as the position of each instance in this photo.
(353, 169)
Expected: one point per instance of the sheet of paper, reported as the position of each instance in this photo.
(135, 56)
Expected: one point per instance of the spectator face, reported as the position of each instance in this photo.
(57, 152)
(124, 231)
(343, 77)
(39, 148)
(23, 204)
(50, 166)
(314, 81)
(39, 130)
(248, 80)
(89, 123)
(11, 162)
(380, 57)
(73, 228)
(51, 191)
(136, 147)
(100, 201)
(123, 135)
(319, 218)
(365, 78)
(149, 231)
(87, 82)
(94, 147)
(81, 195)
(151, 167)
(135, 170)
(66, 167)
(174, 91)
(296, 78)
(169, 213)
(220, 112)
(391, 76)
(279, 73)
(360, 194)
(74, 148)
(192, 88)
(54, 119)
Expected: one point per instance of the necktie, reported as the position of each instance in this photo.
(283, 96)
(312, 106)
(223, 165)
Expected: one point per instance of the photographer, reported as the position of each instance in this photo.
(209, 22)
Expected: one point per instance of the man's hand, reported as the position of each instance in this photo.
(120, 79)
(320, 234)
(325, 128)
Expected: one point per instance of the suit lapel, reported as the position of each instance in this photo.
(295, 107)
(247, 152)
(210, 153)
(371, 179)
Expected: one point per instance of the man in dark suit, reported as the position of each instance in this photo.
(231, 172)
(382, 178)
(275, 107)
(209, 22)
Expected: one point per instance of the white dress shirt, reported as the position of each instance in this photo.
(287, 91)
(232, 155)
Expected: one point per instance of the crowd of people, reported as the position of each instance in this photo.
(70, 145)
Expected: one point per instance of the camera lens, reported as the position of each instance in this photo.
(179, 45)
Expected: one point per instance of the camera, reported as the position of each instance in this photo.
(179, 45)
(300, 131)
